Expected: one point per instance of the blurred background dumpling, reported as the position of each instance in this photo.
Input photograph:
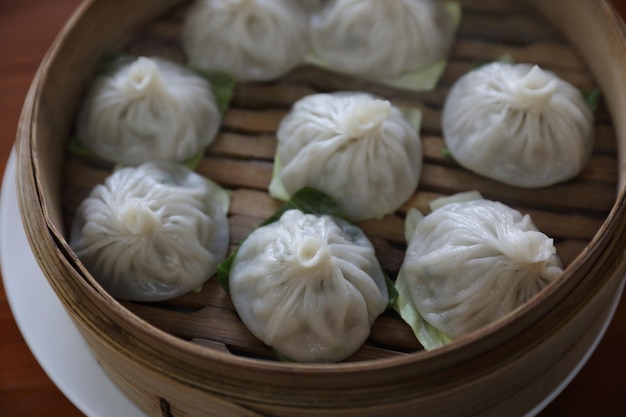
(248, 39)
(148, 109)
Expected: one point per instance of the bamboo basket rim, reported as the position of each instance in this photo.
(615, 221)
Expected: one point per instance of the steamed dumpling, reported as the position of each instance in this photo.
(152, 232)
(357, 148)
(148, 109)
(249, 39)
(469, 263)
(518, 124)
(309, 286)
(379, 39)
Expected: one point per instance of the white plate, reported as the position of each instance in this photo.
(58, 346)
(46, 326)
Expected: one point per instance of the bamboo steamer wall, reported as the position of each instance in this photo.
(193, 358)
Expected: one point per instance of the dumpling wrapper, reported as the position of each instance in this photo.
(518, 124)
(148, 109)
(309, 286)
(357, 148)
(469, 263)
(248, 39)
(390, 41)
(152, 232)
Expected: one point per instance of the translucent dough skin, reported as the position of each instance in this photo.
(311, 287)
(152, 232)
(470, 263)
(249, 39)
(382, 39)
(146, 110)
(518, 124)
(356, 148)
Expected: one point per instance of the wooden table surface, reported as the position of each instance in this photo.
(27, 28)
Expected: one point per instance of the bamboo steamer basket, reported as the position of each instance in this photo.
(191, 357)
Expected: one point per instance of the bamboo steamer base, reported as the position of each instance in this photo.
(241, 159)
(193, 357)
